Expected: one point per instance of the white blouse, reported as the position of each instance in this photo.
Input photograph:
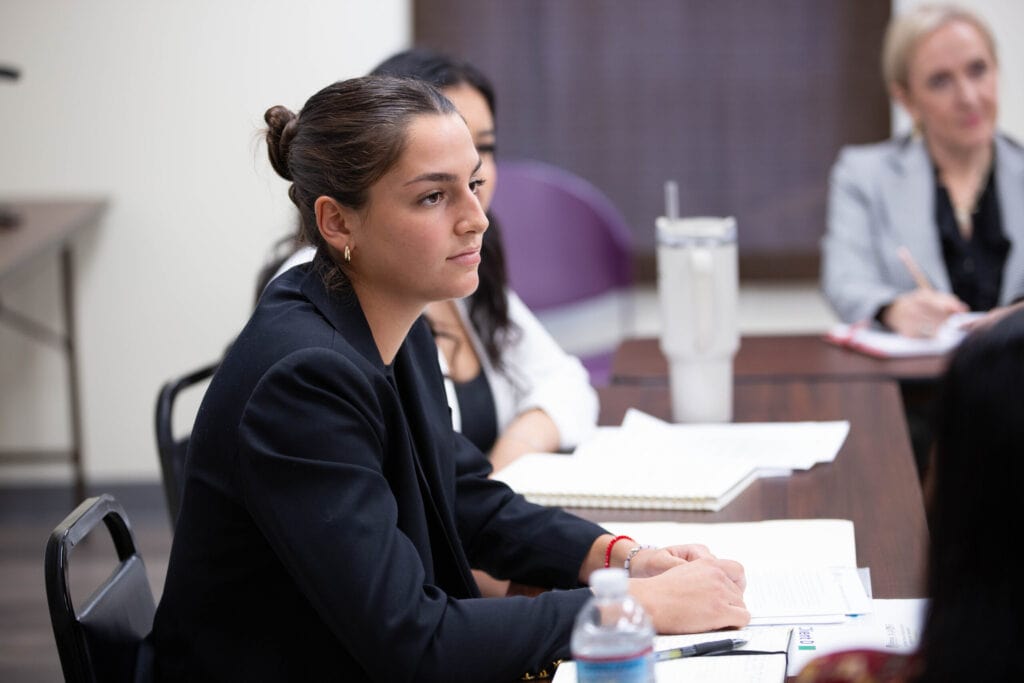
(536, 373)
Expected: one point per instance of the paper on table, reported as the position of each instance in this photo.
(809, 594)
(710, 669)
(773, 445)
(879, 343)
(893, 625)
(756, 668)
(765, 544)
(759, 638)
(798, 570)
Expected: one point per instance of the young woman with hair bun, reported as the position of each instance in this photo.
(511, 388)
(331, 514)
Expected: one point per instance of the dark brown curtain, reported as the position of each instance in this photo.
(744, 103)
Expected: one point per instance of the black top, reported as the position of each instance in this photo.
(479, 418)
(331, 515)
(975, 265)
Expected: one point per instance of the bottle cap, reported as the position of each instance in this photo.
(612, 581)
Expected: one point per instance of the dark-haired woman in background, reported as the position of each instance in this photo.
(511, 388)
(973, 630)
(330, 512)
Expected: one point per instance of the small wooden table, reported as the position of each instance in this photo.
(44, 227)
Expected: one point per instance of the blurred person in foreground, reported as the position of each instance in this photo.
(973, 630)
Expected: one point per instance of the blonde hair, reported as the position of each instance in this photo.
(908, 29)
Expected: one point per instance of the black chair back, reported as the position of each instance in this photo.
(103, 639)
(172, 450)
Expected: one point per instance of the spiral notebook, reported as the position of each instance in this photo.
(657, 481)
(873, 341)
(650, 464)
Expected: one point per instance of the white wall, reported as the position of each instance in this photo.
(1005, 18)
(156, 106)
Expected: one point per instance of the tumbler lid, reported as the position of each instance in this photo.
(696, 231)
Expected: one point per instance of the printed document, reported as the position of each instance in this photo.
(798, 570)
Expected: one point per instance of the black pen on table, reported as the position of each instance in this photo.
(697, 649)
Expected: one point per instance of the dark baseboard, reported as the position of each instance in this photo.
(54, 501)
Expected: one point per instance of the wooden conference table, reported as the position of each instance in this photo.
(873, 480)
(809, 357)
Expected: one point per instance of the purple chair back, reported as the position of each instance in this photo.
(565, 243)
(564, 240)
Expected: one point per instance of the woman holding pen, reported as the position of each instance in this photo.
(924, 226)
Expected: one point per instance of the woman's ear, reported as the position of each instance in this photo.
(335, 222)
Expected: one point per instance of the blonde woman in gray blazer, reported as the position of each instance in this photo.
(887, 198)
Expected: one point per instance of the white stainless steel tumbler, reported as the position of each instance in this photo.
(698, 289)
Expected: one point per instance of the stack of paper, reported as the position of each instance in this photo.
(650, 464)
(777, 448)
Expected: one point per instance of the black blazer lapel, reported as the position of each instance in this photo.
(426, 409)
(342, 311)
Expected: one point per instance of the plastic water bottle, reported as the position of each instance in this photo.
(613, 639)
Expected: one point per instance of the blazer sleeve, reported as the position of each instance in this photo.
(853, 279)
(312, 448)
(540, 374)
(512, 538)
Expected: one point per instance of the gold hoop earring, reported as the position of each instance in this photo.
(348, 254)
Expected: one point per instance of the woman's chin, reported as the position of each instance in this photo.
(970, 139)
(465, 287)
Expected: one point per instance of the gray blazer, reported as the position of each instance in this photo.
(882, 196)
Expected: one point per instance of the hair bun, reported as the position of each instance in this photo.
(282, 124)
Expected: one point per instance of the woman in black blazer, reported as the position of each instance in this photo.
(330, 512)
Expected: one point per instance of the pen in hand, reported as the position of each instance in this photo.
(705, 648)
(920, 279)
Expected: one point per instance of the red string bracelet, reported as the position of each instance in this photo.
(608, 550)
